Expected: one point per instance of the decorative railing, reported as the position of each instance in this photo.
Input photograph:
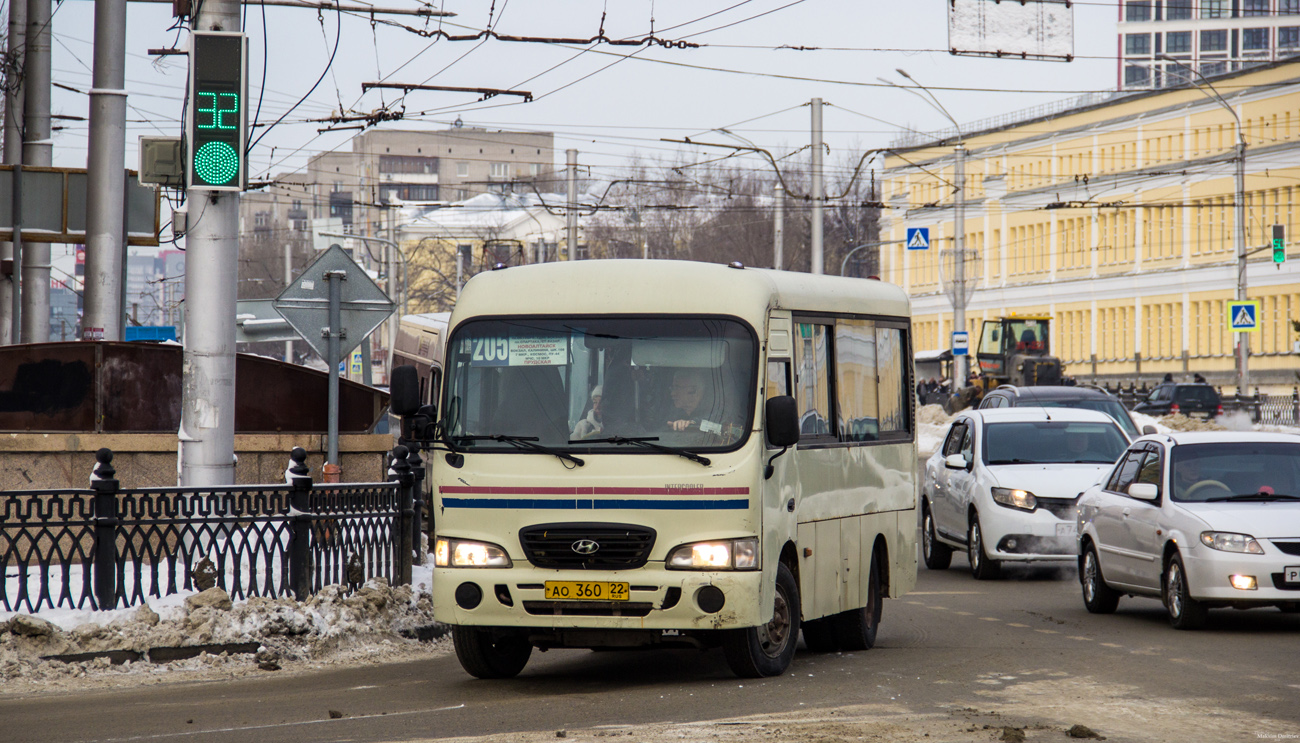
(107, 547)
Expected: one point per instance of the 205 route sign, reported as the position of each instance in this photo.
(217, 114)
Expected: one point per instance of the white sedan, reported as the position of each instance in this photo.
(1003, 484)
(1199, 520)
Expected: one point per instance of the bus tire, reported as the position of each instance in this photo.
(857, 628)
(819, 635)
(766, 650)
(488, 653)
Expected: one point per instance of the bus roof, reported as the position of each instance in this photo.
(431, 320)
(677, 287)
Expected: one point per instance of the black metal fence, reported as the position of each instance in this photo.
(108, 547)
(1281, 409)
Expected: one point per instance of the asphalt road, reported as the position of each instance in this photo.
(1021, 649)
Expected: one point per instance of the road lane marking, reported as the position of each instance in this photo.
(1076, 637)
(964, 613)
(990, 619)
(191, 733)
(940, 608)
(1111, 645)
(1013, 624)
(1048, 631)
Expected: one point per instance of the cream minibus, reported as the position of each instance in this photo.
(667, 453)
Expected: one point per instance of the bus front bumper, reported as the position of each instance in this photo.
(657, 599)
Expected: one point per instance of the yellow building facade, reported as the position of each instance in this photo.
(1117, 220)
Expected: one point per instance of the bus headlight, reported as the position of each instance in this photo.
(722, 554)
(464, 553)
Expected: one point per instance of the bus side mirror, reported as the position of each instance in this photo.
(782, 416)
(404, 391)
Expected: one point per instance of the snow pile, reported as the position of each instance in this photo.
(377, 621)
(931, 426)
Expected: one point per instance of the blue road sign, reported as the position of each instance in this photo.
(918, 238)
(960, 343)
(1243, 316)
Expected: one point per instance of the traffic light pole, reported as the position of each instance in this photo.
(207, 434)
(106, 168)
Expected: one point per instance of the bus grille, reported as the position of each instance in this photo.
(618, 546)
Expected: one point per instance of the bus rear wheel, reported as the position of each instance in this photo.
(767, 650)
(856, 629)
(490, 653)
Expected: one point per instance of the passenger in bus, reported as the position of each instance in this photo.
(592, 423)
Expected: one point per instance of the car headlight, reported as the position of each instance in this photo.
(1012, 498)
(721, 554)
(1226, 541)
(465, 553)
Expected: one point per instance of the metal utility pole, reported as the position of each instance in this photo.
(335, 279)
(207, 432)
(37, 151)
(961, 364)
(571, 214)
(288, 279)
(818, 191)
(1239, 240)
(106, 167)
(778, 230)
(13, 155)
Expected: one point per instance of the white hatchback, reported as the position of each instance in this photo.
(1199, 520)
(1003, 484)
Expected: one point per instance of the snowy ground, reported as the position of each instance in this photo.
(331, 628)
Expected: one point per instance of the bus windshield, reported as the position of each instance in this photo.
(589, 384)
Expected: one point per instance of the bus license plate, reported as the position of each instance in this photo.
(572, 590)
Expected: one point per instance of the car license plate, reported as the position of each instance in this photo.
(581, 590)
(1065, 530)
(1291, 574)
(1198, 414)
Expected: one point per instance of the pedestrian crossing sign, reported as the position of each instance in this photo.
(918, 238)
(1243, 316)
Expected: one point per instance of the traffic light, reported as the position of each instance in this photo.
(217, 117)
(1279, 243)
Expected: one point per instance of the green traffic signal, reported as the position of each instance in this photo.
(217, 125)
(1279, 253)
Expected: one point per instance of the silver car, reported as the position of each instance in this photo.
(1198, 520)
(1003, 485)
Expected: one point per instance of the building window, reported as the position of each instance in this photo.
(1288, 7)
(1209, 69)
(1178, 42)
(1214, 8)
(534, 169)
(1288, 37)
(1254, 7)
(1137, 44)
(407, 164)
(1214, 41)
(1137, 10)
(1136, 75)
(500, 170)
(1254, 39)
(1178, 10)
(462, 170)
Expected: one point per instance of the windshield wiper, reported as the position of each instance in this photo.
(1252, 497)
(523, 442)
(1012, 461)
(645, 442)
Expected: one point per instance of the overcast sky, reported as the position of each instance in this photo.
(605, 101)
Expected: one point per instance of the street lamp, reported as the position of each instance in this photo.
(1239, 214)
(844, 264)
(958, 297)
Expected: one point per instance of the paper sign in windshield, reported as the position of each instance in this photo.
(518, 352)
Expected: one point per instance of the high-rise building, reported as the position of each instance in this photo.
(1210, 36)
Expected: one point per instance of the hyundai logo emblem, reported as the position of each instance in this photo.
(585, 547)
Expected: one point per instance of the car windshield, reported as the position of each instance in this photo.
(1042, 442)
(1113, 408)
(588, 384)
(1206, 472)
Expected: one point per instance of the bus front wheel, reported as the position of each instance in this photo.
(489, 653)
(767, 650)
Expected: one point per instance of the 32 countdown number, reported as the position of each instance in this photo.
(220, 104)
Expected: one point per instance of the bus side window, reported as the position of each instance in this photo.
(435, 383)
(778, 378)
